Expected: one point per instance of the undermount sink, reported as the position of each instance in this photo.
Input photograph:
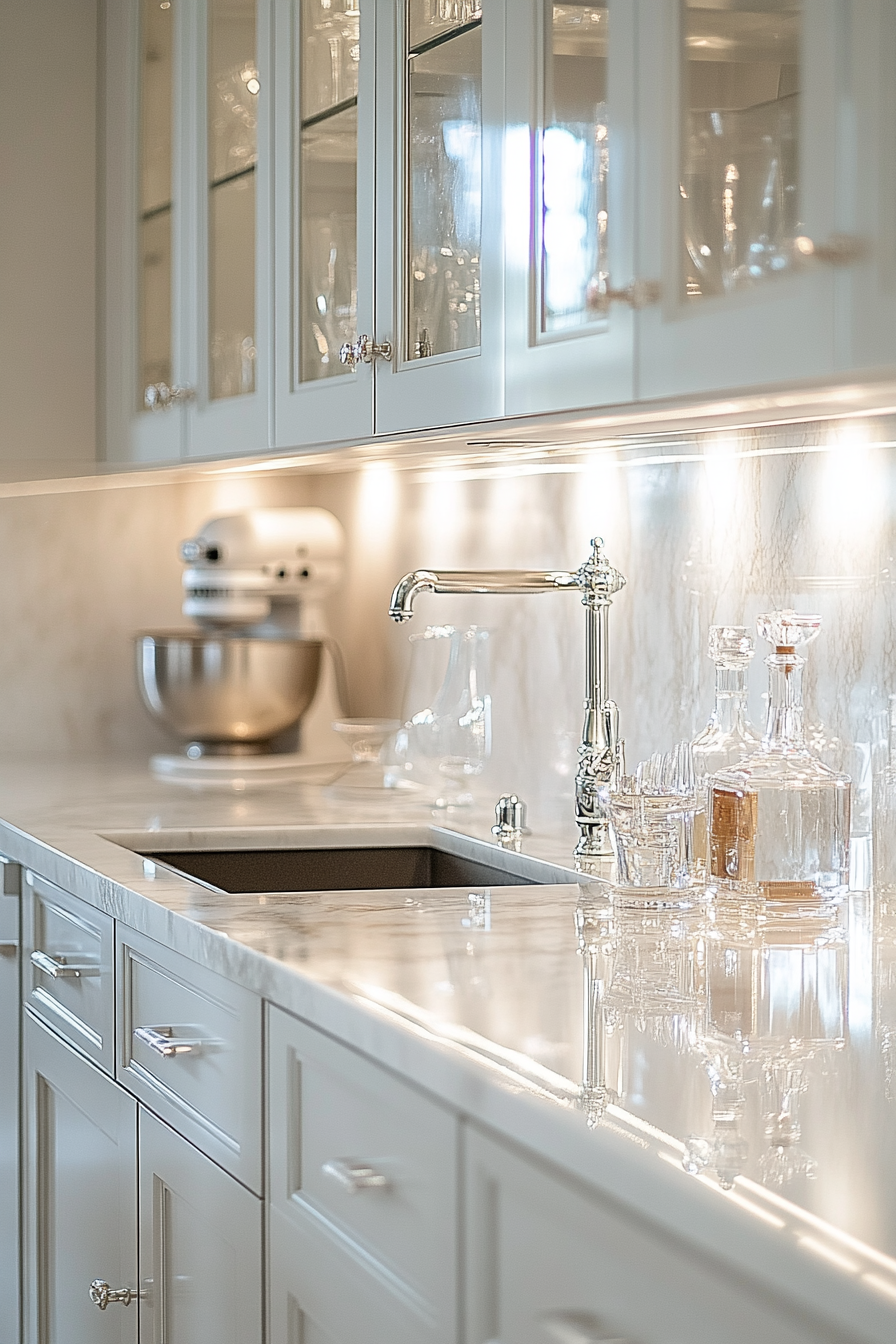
(353, 869)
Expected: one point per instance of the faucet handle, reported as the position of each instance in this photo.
(597, 578)
(510, 818)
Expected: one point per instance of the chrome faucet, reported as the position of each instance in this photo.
(601, 754)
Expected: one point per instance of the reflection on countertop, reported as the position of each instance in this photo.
(751, 1053)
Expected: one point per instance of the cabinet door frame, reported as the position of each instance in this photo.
(784, 330)
(454, 388)
(329, 409)
(586, 366)
(53, 1067)
(169, 1165)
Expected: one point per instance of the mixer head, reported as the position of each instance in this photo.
(243, 565)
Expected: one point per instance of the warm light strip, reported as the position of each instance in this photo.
(827, 1253)
(880, 1284)
(886, 1261)
(748, 1205)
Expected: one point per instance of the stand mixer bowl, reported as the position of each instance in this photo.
(226, 695)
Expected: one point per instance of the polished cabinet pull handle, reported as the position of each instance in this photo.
(159, 396)
(637, 294)
(841, 249)
(101, 1294)
(163, 1041)
(364, 351)
(353, 1176)
(578, 1327)
(8, 946)
(60, 969)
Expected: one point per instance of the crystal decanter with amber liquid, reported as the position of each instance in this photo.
(728, 736)
(779, 818)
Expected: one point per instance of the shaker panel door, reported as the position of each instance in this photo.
(9, 1102)
(80, 1196)
(200, 1246)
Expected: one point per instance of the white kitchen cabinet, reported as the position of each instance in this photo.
(389, 123)
(548, 1261)
(80, 1189)
(9, 1101)
(363, 1194)
(569, 188)
(745, 153)
(188, 276)
(200, 1246)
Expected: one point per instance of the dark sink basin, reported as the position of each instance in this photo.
(261, 870)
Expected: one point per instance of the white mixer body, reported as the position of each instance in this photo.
(254, 571)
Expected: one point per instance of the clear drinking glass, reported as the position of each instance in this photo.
(156, 96)
(740, 189)
(574, 166)
(328, 185)
(779, 819)
(729, 735)
(446, 735)
(883, 852)
(233, 92)
(444, 187)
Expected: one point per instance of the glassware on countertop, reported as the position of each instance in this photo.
(652, 829)
(445, 739)
(779, 818)
(366, 739)
(883, 844)
(728, 736)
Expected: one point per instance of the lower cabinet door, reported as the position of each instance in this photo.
(9, 1103)
(200, 1246)
(548, 1264)
(80, 1197)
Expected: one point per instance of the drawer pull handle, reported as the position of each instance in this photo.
(354, 1176)
(60, 969)
(163, 1041)
(101, 1294)
(578, 1327)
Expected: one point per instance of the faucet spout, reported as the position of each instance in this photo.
(601, 754)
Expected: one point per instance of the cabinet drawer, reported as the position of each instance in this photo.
(364, 1167)
(190, 1049)
(68, 959)
(546, 1263)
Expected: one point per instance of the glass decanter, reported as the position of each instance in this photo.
(779, 818)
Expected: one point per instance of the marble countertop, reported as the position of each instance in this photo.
(729, 1077)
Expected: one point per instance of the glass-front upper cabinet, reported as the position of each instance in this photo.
(388, 310)
(744, 195)
(569, 192)
(188, 278)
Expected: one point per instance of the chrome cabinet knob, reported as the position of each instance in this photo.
(364, 351)
(578, 1327)
(354, 1176)
(841, 249)
(510, 818)
(101, 1294)
(159, 396)
(637, 294)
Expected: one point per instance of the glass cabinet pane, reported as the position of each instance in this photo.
(328, 173)
(233, 90)
(444, 184)
(574, 166)
(154, 299)
(740, 184)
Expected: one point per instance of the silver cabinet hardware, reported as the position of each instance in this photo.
(841, 249)
(637, 294)
(364, 351)
(60, 969)
(354, 1176)
(163, 1041)
(159, 396)
(578, 1327)
(101, 1294)
(7, 948)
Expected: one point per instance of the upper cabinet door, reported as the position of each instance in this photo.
(188, 277)
(743, 191)
(438, 299)
(569, 170)
(324, 227)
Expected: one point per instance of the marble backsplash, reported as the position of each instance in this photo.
(710, 528)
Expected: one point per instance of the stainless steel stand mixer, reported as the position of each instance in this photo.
(254, 584)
